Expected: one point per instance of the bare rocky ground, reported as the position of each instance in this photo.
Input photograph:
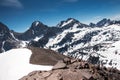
(41, 56)
(74, 69)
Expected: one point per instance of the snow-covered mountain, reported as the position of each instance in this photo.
(37, 29)
(93, 42)
(15, 64)
(87, 42)
(7, 39)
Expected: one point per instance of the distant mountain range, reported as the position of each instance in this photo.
(97, 43)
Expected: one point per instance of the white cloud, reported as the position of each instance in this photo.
(11, 3)
(71, 0)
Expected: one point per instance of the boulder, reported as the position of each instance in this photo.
(59, 65)
(67, 61)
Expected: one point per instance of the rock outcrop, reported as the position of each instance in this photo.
(74, 69)
(42, 56)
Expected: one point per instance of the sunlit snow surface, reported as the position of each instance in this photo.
(65, 23)
(107, 36)
(14, 64)
(112, 56)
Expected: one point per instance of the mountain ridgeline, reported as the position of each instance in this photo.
(7, 39)
(90, 42)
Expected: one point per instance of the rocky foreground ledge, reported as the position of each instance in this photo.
(75, 69)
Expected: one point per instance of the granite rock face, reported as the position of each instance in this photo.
(75, 69)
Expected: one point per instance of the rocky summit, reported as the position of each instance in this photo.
(75, 69)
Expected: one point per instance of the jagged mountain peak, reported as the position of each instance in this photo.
(37, 27)
(72, 19)
(92, 25)
(67, 22)
(4, 32)
(37, 24)
(7, 39)
(103, 22)
(3, 27)
(36, 30)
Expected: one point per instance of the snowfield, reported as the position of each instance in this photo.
(14, 64)
(107, 36)
(111, 56)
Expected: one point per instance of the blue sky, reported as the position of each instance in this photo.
(19, 14)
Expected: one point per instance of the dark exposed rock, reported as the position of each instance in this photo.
(33, 31)
(93, 59)
(7, 41)
(42, 56)
(67, 60)
(103, 22)
(92, 25)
